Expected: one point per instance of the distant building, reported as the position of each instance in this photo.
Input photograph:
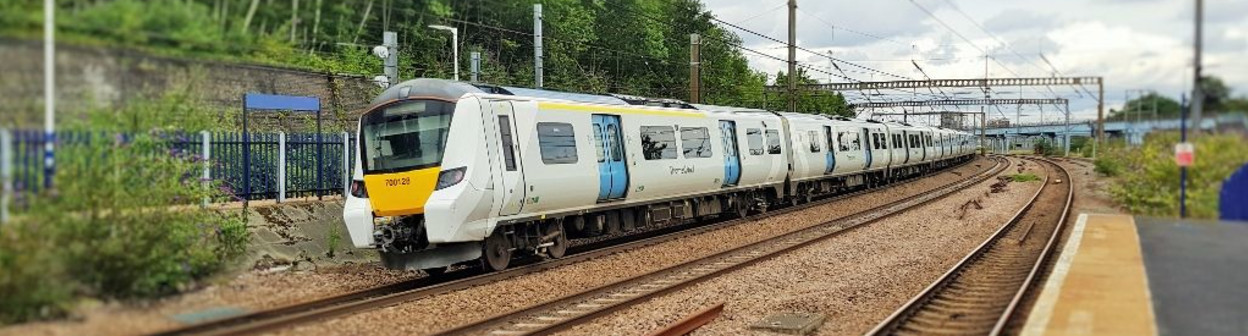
(952, 121)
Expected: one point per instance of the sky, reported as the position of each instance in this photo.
(1134, 44)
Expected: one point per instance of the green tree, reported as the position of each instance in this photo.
(1144, 107)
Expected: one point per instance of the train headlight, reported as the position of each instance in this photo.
(358, 190)
(450, 177)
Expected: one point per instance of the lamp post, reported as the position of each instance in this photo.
(455, 44)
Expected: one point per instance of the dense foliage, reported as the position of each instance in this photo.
(1147, 178)
(122, 222)
(638, 47)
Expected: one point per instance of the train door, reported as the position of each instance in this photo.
(512, 186)
(831, 154)
(612, 172)
(732, 162)
(866, 138)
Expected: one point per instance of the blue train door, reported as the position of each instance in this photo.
(831, 155)
(732, 163)
(612, 172)
(867, 142)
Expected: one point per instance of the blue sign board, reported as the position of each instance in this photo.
(259, 101)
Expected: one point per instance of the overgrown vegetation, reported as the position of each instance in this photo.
(1147, 178)
(1025, 177)
(632, 47)
(122, 221)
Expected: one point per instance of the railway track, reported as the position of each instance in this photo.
(387, 295)
(980, 294)
(563, 313)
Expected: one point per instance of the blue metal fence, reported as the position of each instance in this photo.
(314, 164)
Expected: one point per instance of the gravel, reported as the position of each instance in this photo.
(856, 279)
(447, 310)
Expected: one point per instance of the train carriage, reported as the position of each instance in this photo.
(450, 173)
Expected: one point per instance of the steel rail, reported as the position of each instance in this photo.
(690, 323)
(562, 313)
(387, 295)
(894, 322)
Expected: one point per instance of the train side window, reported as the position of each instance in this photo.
(509, 151)
(754, 137)
(557, 142)
(695, 142)
(658, 142)
(602, 150)
(617, 151)
(773, 142)
(814, 141)
(849, 141)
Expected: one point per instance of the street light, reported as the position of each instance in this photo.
(454, 42)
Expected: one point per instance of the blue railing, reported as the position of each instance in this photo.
(246, 167)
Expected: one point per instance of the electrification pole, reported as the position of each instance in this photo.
(792, 55)
(1198, 94)
(537, 45)
(49, 96)
(695, 68)
(390, 40)
(476, 65)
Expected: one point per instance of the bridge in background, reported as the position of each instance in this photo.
(1005, 138)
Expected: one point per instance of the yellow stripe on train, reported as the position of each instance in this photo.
(617, 109)
(403, 193)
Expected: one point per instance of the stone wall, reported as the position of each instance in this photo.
(100, 77)
(301, 234)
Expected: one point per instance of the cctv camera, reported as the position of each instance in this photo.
(381, 51)
(382, 81)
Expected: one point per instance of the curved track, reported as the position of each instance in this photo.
(560, 314)
(387, 295)
(980, 293)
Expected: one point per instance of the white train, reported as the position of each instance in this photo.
(449, 172)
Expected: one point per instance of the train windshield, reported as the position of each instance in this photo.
(405, 136)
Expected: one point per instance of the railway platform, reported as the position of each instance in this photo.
(1124, 275)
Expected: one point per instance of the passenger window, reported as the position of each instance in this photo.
(557, 143)
(658, 142)
(814, 141)
(617, 152)
(509, 151)
(849, 141)
(773, 142)
(602, 151)
(754, 137)
(695, 142)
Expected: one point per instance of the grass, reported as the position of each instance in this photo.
(1146, 178)
(1027, 177)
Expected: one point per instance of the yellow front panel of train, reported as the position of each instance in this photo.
(403, 193)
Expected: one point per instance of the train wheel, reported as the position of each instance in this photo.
(497, 251)
(743, 206)
(560, 246)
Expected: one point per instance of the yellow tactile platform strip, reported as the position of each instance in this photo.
(1098, 286)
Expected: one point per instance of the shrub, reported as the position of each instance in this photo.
(1024, 177)
(121, 224)
(1148, 178)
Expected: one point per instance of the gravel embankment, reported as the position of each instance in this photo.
(451, 309)
(855, 279)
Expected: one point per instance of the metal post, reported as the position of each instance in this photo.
(792, 55)
(537, 45)
(6, 173)
(695, 65)
(281, 167)
(1183, 170)
(1198, 93)
(1100, 113)
(455, 51)
(346, 164)
(246, 157)
(206, 147)
(391, 41)
(49, 96)
(476, 65)
(1067, 122)
(320, 158)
